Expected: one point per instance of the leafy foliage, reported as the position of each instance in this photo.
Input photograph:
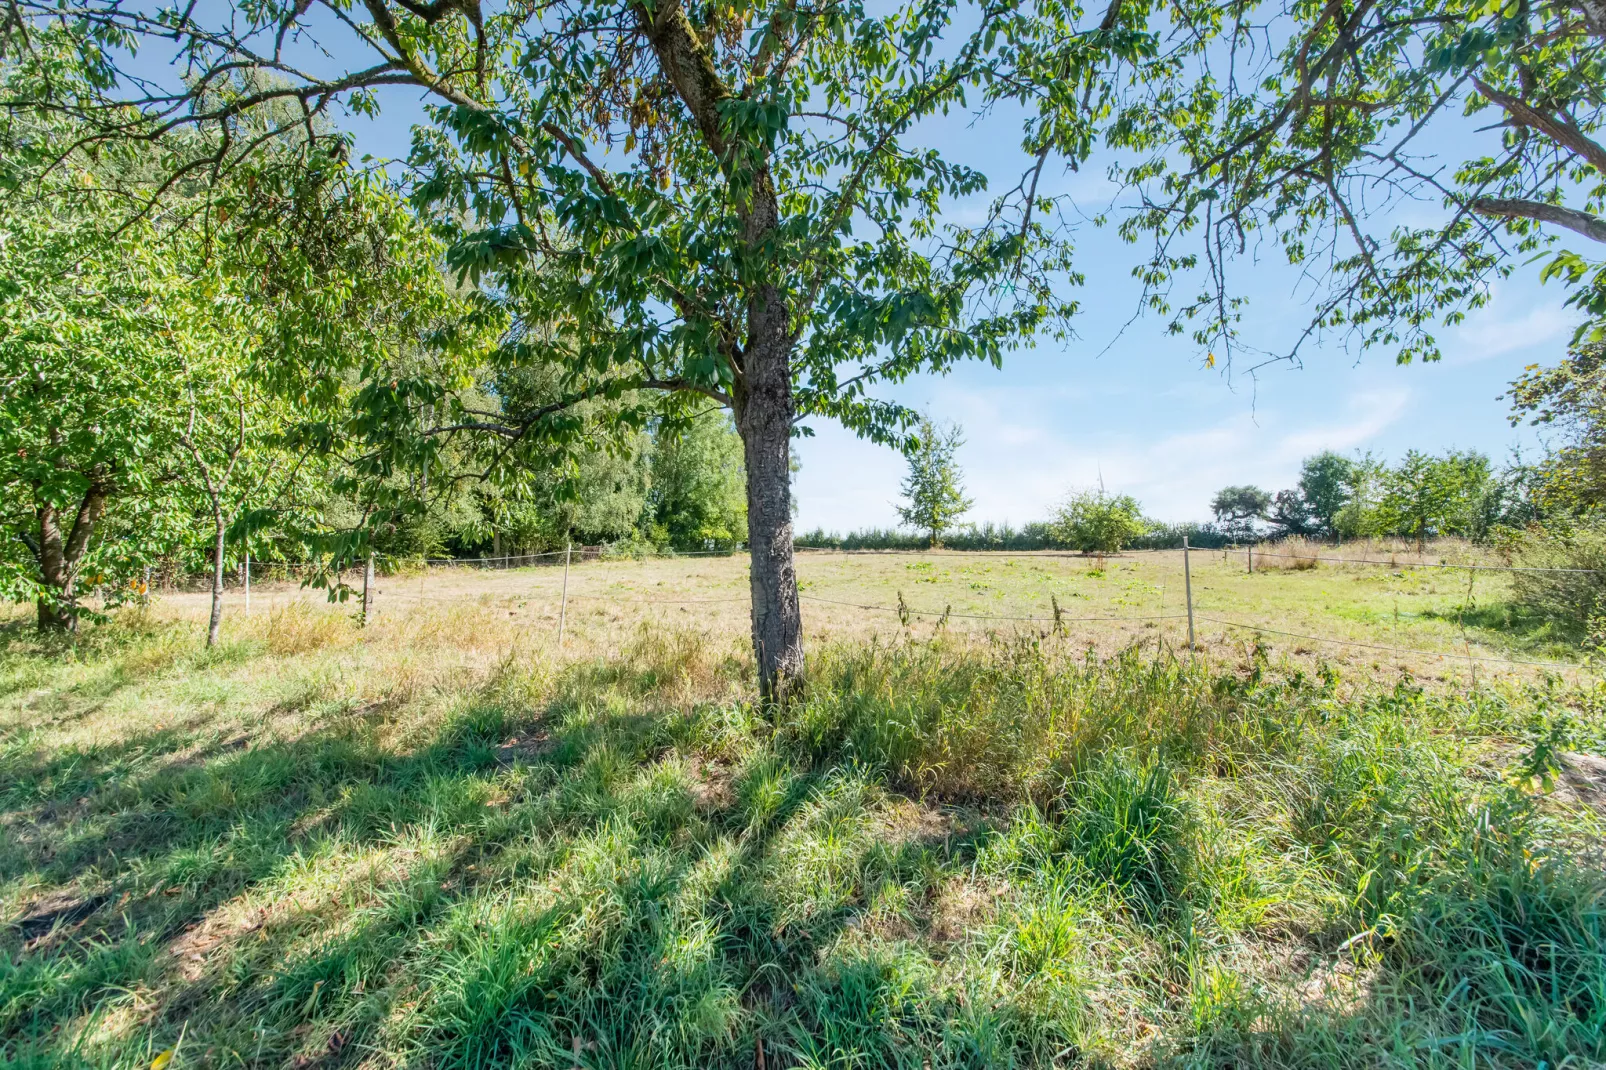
(1095, 521)
(1569, 400)
(1303, 126)
(934, 489)
(1237, 508)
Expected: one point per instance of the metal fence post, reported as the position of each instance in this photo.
(247, 570)
(1187, 587)
(367, 589)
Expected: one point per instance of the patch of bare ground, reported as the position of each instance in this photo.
(963, 906)
(711, 784)
(55, 915)
(1581, 781)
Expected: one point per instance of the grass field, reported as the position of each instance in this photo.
(441, 842)
(1365, 618)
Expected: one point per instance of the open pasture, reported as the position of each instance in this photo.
(439, 842)
(1404, 615)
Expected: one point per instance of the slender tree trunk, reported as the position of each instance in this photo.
(764, 413)
(55, 613)
(762, 390)
(214, 627)
(59, 557)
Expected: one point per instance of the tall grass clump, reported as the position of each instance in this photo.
(1012, 722)
(1297, 554)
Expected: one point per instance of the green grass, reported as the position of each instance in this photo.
(323, 847)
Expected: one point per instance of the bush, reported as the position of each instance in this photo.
(1574, 600)
(1095, 521)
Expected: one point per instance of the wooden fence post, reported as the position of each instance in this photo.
(367, 589)
(1187, 587)
(563, 607)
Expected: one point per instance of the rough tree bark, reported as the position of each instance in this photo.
(762, 390)
(60, 556)
(764, 411)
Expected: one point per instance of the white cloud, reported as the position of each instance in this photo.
(1497, 329)
(1026, 448)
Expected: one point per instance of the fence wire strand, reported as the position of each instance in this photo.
(481, 564)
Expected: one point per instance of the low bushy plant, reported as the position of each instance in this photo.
(1565, 579)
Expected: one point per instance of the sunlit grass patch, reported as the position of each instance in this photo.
(415, 847)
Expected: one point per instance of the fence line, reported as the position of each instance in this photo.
(981, 616)
(1421, 564)
(1057, 619)
(1390, 649)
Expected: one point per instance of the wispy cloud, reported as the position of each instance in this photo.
(1023, 455)
(1501, 328)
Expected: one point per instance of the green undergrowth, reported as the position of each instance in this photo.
(948, 854)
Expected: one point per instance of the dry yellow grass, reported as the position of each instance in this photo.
(1378, 609)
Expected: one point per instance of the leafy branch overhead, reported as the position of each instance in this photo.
(1330, 130)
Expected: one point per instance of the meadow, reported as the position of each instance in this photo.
(1380, 609)
(442, 841)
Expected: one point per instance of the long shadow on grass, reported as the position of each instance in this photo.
(536, 895)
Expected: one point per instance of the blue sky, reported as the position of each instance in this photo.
(1138, 409)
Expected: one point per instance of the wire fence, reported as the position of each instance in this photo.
(566, 559)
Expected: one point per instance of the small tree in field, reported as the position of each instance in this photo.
(935, 486)
(1094, 521)
(1237, 509)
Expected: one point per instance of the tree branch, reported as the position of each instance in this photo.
(1591, 227)
(1556, 128)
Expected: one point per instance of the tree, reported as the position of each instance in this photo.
(696, 500)
(1324, 489)
(1342, 113)
(87, 384)
(231, 436)
(739, 202)
(1569, 400)
(1094, 521)
(1425, 496)
(1291, 513)
(1237, 508)
(935, 486)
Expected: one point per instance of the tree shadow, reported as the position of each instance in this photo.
(218, 893)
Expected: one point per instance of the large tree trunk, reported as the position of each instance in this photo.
(762, 390)
(59, 557)
(214, 626)
(764, 412)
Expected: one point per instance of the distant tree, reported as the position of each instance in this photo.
(1237, 509)
(1291, 513)
(698, 499)
(1324, 488)
(1426, 496)
(1095, 521)
(934, 489)
(1359, 517)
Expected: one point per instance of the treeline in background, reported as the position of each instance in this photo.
(1457, 494)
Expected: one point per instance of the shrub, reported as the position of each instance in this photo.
(1095, 521)
(1574, 600)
